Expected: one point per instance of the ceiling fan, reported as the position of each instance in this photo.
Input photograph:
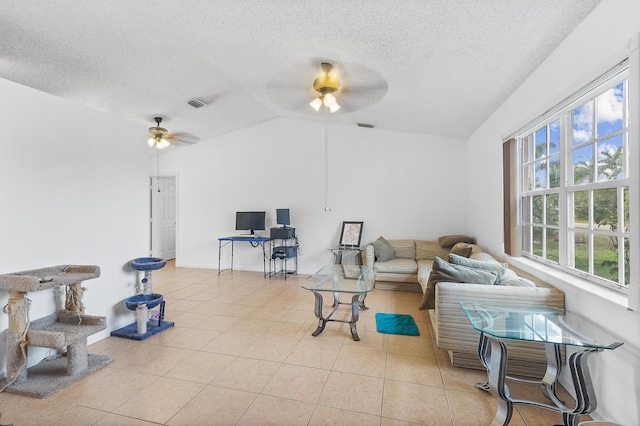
(160, 138)
(347, 86)
(326, 86)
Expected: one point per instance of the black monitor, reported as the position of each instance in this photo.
(282, 217)
(250, 221)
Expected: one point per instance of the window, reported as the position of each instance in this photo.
(574, 184)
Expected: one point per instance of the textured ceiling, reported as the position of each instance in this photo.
(426, 66)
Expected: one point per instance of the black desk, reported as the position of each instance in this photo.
(254, 240)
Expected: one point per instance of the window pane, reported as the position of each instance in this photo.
(609, 114)
(541, 142)
(629, 119)
(605, 209)
(605, 257)
(553, 253)
(526, 239)
(581, 251)
(537, 208)
(541, 174)
(627, 227)
(581, 209)
(526, 210)
(583, 123)
(610, 159)
(583, 165)
(527, 178)
(627, 267)
(537, 241)
(552, 209)
(527, 149)
(554, 172)
(554, 137)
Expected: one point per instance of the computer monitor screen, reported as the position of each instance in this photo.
(282, 217)
(250, 221)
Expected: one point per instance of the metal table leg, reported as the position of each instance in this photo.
(585, 394)
(355, 314)
(357, 304)
(493, 353)
(318, 312)
(497, 363)
(219, 254)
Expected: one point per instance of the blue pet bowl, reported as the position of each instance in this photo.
(151, 300)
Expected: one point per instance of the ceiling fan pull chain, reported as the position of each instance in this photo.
(326, 161)
(158, 169)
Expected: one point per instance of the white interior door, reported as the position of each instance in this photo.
(163, 217)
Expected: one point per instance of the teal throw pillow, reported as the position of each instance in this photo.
(382, 250)
(498, 268)
(447, 272)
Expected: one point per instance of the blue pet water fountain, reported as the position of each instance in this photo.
(143, 302)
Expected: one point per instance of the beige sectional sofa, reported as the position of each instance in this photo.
(412, 260)
(452, 329)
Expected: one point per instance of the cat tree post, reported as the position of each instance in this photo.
(18, 310)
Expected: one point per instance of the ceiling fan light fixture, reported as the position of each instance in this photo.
(331, 103)
(326, 86)
(316, 103)
(162, 143)
(329, 100)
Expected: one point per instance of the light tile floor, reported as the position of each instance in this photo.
(241, 353)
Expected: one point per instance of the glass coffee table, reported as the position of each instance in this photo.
(554, 328)
(356, 280)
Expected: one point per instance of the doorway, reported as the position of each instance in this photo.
(163, 217)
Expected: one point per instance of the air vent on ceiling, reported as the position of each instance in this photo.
(196, 103)
(368, 126)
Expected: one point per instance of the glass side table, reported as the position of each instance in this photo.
(554, 328)
(355, 280)
(339, 251)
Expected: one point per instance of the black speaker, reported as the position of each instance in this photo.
(282, 233)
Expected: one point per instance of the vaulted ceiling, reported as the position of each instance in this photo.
(425, 66)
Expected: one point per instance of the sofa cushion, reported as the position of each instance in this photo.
(429, 250)
(382, 250)
(405, 249)
(446, 272)
(398, 265)
(491, 266)
(483, 256)
(511, 279)
(461, 249)
(449, 241)
(424, 270)
(475, 249)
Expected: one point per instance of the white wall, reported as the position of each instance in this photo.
(595, 46)
(401, 185)
(73, 190)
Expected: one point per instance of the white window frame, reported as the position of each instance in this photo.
(564, 114)
(632, 180)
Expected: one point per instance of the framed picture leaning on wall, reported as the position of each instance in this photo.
(351, 234)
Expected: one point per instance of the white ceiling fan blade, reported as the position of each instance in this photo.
(182, 138)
